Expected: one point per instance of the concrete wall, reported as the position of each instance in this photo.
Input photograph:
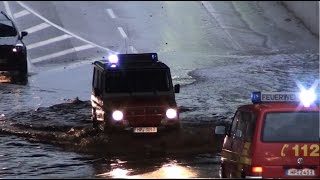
(307, 11)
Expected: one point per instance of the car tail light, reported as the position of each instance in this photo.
(17, 48)
(256, 172)
(257, 169)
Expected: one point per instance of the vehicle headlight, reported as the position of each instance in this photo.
(171, 113)
(117, 115)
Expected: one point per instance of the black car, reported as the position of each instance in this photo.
(13, 52)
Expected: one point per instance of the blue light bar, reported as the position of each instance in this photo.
(118, 60)
(113, 58)
(260, 97)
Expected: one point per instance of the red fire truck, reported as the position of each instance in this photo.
(275, 137)
(133, 92)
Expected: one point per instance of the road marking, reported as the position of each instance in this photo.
(111, 14)
(213, 13)
(238, 29)
(37, 28)
(7, 7)
(49, 41)
(123, 34)
(21, 14)
(61, 53)
(133, 50)
(62, 29)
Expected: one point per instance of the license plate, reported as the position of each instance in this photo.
(300, 172)
(145, 130)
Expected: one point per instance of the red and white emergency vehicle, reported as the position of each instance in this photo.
(134, 92)
(275, 137)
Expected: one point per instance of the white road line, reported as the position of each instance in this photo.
(62, 29)
(133, 50)
(111, 14)
(7, 7)
(48, 41)
(61, 53)
(123, 34)
(21, 14)
(37, 28)
(213, 13)
(238, 29)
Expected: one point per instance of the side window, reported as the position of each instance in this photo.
(242, 124)
(251, 126)
(234, 123)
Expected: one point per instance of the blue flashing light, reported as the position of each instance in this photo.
(113, 65)
(307, 97)
(256, 97)
(113, 59)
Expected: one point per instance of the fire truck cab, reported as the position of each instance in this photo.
(133, 92)
(275, 137)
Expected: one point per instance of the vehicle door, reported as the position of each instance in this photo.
(229, 157)
(242, 142)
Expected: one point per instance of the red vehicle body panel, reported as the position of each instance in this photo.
(239, 155)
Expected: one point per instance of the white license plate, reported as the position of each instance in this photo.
(145, 130)
(300, 172)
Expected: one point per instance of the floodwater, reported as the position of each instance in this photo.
(58, 142)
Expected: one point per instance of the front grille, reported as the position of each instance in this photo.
(144, 116)
(144, 111)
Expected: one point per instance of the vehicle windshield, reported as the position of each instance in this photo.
(7, 29)
(137, 81)
(291, 127)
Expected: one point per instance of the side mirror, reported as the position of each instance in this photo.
(177, 88)
(24, 33)
(220, 130)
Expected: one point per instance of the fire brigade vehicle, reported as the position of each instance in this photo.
(275, 137)
(133, 92)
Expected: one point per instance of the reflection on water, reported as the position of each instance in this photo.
(168, 170)
(5, 77)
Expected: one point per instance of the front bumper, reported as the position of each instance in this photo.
(16, 64)
(165, 124)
